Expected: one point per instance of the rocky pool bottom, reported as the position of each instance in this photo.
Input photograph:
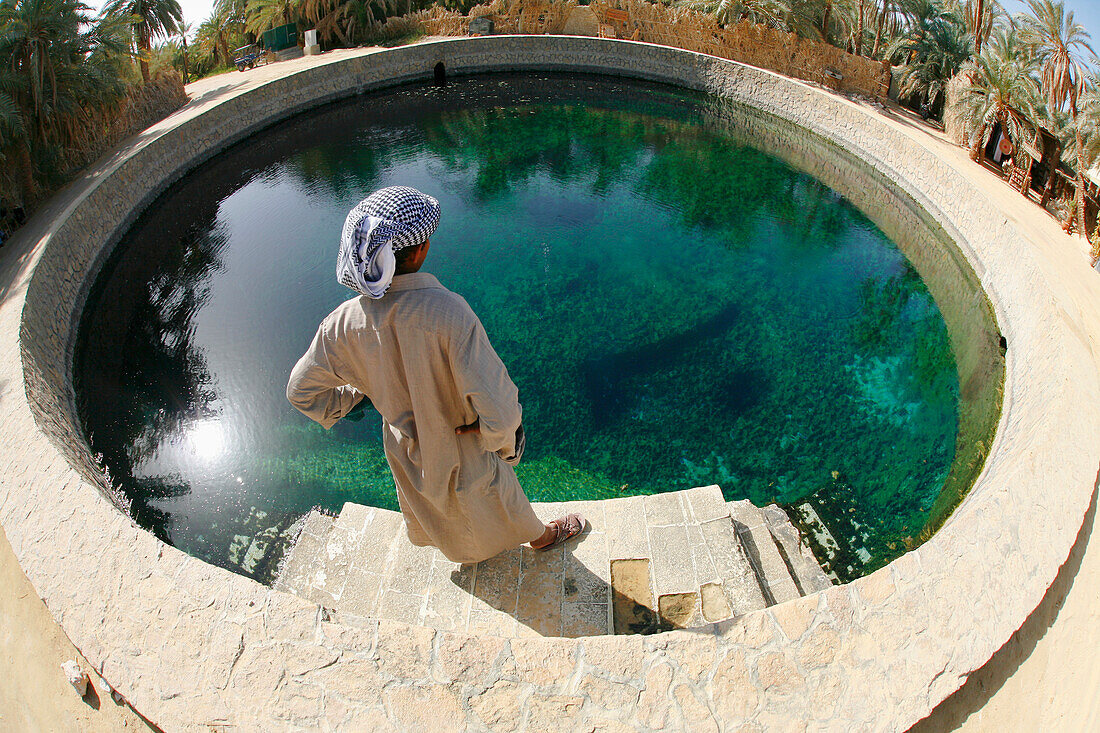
(677, 307)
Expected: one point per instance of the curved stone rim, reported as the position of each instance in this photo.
(189, 644)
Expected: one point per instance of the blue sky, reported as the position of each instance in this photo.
(1085, 12)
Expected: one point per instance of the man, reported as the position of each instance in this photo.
(451, 419)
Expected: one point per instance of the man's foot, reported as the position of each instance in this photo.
(559, 530)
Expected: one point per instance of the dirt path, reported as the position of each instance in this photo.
(34, 694)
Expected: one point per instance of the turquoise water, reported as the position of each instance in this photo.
(676, 308)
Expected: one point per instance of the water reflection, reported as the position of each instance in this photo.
(676, 307)
(208, 440)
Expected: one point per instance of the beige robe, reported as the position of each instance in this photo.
(423, 359)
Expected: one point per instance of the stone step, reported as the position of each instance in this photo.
(643, 563)
(300, 559)
(771, 570)
(804, 567)
(356, 559)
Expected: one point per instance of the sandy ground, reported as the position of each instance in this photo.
(1046, 678)
(34, 694)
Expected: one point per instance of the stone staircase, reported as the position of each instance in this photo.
(674, 560)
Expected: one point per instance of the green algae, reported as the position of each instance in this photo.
(677, 307)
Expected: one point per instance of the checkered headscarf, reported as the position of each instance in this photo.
(388, 220)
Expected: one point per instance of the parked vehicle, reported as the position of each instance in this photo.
(247, 57)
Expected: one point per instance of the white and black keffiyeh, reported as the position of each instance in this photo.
(388, 220)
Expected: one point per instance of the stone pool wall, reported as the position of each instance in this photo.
(194, 647)
(975, 339)
(744, 41)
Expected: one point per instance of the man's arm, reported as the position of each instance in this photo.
(483, 382)
(316, 389)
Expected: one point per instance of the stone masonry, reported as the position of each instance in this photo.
(193, 647)
(643, 564)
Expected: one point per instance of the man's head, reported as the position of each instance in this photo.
(409, 259)
(385, 234)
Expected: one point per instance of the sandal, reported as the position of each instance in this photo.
(565, 528)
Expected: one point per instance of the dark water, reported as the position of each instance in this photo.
(676, 308)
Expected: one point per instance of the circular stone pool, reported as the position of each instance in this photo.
(677, 307)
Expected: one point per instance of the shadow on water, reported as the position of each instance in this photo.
(142, 351)
(609, 379)
(985, 682)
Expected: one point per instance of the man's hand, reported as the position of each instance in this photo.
(474, 427)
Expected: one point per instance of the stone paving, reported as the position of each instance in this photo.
(643, 564)
(195, 647)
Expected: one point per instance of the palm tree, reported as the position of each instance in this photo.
(764, 12)
(13, 130)
(153, 18)
(348, 19)
(936, 50)
(1059, 42)
(888, 13)
(262, 15)
(1004, 43)
(60, 76)
(184, 30)
(981, 16)
(1002, 90)
(1088, 114)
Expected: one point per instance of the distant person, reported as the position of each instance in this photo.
(451, 418)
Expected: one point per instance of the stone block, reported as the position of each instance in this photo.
(448, 605)
(469, 660)
(543, 662)
(794, 617)
(587, 571)
(777, 674)
(361, 592)
(411, 568)
(500, 707)
(633, 609)
(298, 567)
(706, 503)
(357, 680)
(585, 619)
(370, 535)
(545, 713)
(654, 706)
(404, 651)
(678, 610)
(397, 606)
(490, 622)
(695, 713)
(664, 509)
(706, 570)
(496, 581)
(607, 694)
(627, 537)
(435, 708)
(540, 591)
(620, 658)
(672, 563)
(715, 605)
